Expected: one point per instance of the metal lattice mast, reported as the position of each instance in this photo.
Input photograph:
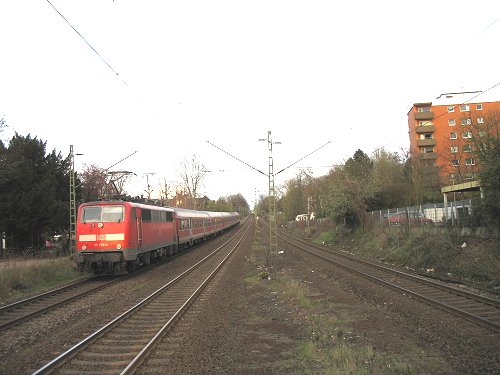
(273, 240)
(72, 202)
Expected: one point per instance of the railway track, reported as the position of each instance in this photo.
(123, 344)
(29, 308)
(473, 307)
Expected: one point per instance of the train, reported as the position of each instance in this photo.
(115, 236)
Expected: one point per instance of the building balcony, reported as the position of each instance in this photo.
(426, 129)
(427, 156)
(426, 142)
(424, 115)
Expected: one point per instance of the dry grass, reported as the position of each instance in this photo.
(22, 277)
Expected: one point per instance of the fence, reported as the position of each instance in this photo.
(31, 252)
(458, 213)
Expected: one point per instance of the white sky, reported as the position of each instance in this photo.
(229, 71)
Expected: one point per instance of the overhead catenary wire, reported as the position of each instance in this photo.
(302, 158)
(86, 42)
(234, 157)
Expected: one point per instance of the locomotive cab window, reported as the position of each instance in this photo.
(105, 214)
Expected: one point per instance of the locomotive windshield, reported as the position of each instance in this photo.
(105, 214)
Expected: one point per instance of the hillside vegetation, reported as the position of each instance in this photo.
(435, 252)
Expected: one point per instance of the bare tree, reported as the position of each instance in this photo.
(93, 182)
(97, 183)
(115, 184)
(192, 175)
(167, 190)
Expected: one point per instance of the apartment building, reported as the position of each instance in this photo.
(445, 133)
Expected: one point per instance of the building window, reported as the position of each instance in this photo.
(479, 107)
(423, 109)
(453, 135)
(480, 120)
(464, 108)
(451, 108)
(469, 161)
(467, 135)
(427, 150)
(451, 122)
(482, 133)
(454, 149)
(465, 121)
(426, 136)
(455, 162)
(467, 148)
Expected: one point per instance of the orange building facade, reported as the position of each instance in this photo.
(445, 133)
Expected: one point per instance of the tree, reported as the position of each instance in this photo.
(167, 190)
(486, 147)
(293, 201)
(192, 176)
(389, 178)
(34, 198)
(94, 183)
(421, 177)
(239, 204)
(348, 190)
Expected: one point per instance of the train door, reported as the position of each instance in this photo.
(191, 222)
(138, 220)
(175, 228)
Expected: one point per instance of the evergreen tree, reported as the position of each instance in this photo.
(34, 196)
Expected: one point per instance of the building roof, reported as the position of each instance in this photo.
(463, 97)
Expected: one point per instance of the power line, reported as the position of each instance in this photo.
(241, 161)
(126, 157)
(487, 27)
(86, 42)
(312, 152)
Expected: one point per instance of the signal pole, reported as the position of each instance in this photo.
(72, 201)
(273, 239)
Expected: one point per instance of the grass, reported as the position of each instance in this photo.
(331, 348)
(22, 277)
(326, 238)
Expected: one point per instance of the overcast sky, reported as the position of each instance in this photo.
(163, 77)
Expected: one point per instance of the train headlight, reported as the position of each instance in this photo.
(84, 247)
(100, 225)
(119, 246)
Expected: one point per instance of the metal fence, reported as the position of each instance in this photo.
(458, 213)
(31, 252)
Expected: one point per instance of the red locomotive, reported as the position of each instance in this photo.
(117, 235)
